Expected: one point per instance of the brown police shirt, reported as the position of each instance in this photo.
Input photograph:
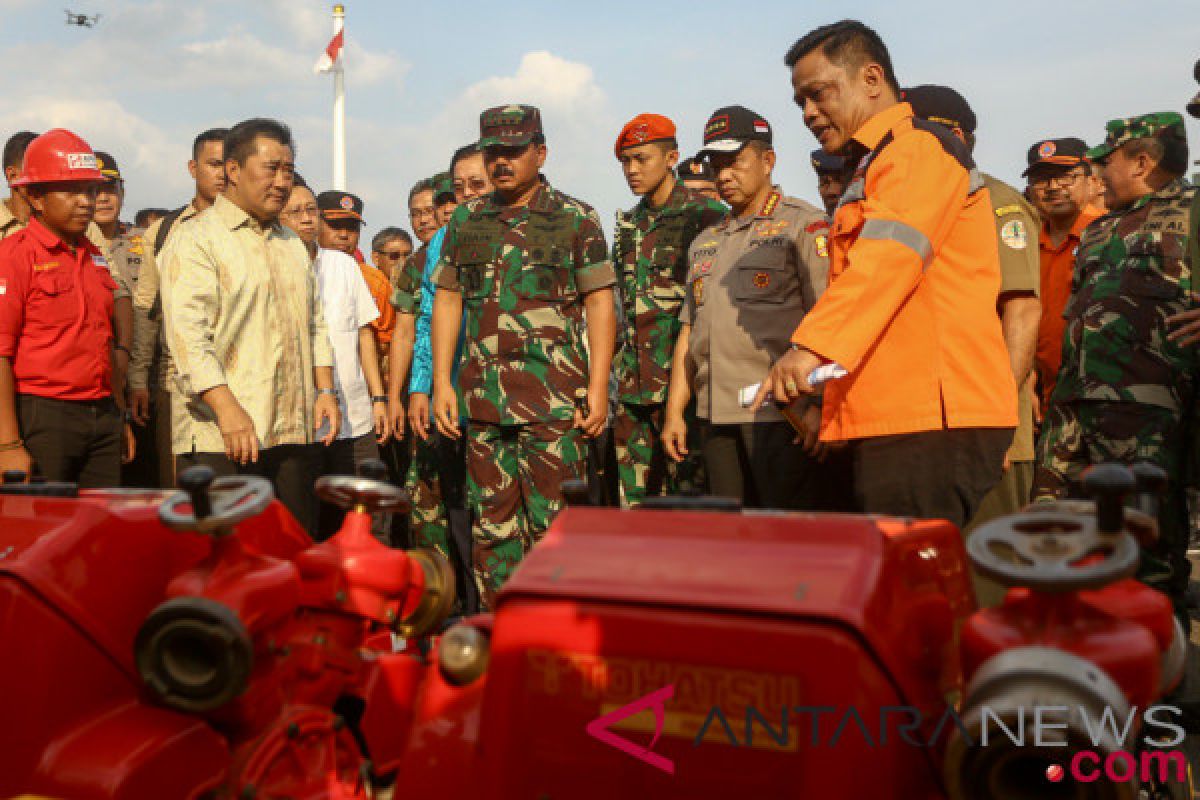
(749, 283)
(9, 224)
(148, 351)
(1017, 227)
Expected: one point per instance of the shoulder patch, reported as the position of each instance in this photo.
(1014, 235)
(1003, 210)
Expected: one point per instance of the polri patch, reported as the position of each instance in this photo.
(821, 243)
(762, 280)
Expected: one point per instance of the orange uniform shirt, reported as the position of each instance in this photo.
(910, 310)
(1058, 265)
(381, 290)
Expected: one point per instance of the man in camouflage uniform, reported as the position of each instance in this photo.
(523, 264)
(1125, 385)
(650, 255)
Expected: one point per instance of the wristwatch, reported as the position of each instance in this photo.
(332, 392)
(379, 398)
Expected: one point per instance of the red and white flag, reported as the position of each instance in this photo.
(333, 52)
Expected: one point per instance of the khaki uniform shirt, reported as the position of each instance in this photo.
(240, 308)
(750, 282)
(1017, 226)
(105, 246)
(9, 224)
(147, 309)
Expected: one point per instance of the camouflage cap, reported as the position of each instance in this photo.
(1165, 124)
(443, 185)
(511, 125)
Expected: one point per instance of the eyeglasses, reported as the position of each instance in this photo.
(392, 254)
(302, 211)
(1065, 180)
(418, 213)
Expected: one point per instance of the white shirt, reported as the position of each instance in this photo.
(348, 306)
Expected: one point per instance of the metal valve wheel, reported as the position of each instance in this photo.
(212, 506)
(1052, 552)
(365, 494)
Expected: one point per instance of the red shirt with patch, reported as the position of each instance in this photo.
(56, 307)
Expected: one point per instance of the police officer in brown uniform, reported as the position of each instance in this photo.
(751, 278)
(14, 210)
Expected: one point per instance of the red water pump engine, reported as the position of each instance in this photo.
(199, 647)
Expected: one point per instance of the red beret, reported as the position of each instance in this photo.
(642, 129)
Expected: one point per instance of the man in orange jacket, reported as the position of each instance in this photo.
(927, 396)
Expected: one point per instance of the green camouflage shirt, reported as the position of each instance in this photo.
(522, 272)
(1131, 273)
(406, 282)
(650, 251)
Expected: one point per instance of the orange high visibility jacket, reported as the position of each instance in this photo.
(911, 306)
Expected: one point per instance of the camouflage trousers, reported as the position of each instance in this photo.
(1078, 435)
(643, 468)
(434, 481)
(514, 474)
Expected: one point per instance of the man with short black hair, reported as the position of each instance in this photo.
(14, 210)
(917, 375)
(1127, 380)
(150, 368)
(468, 173)
(254, 376)
(422, 213)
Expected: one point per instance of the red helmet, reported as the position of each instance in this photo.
(58, 155)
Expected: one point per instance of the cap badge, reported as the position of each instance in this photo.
(347, 203)
(1046, 150)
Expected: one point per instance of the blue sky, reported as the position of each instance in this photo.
(151, 74)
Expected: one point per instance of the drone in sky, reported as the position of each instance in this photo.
(81, 20)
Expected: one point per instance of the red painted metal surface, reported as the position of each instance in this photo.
(78, 577)
(784, 638)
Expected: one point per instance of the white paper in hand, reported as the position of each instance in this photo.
(823, 373)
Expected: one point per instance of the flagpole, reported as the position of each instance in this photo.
(339, 107)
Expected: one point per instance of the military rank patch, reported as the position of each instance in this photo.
(821, 243)
(1013, 234)
(698, 290)
(762, 280)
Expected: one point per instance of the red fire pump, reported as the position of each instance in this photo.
(665, 652)
(196, 646)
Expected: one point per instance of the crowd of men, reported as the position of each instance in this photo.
(894, 352)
